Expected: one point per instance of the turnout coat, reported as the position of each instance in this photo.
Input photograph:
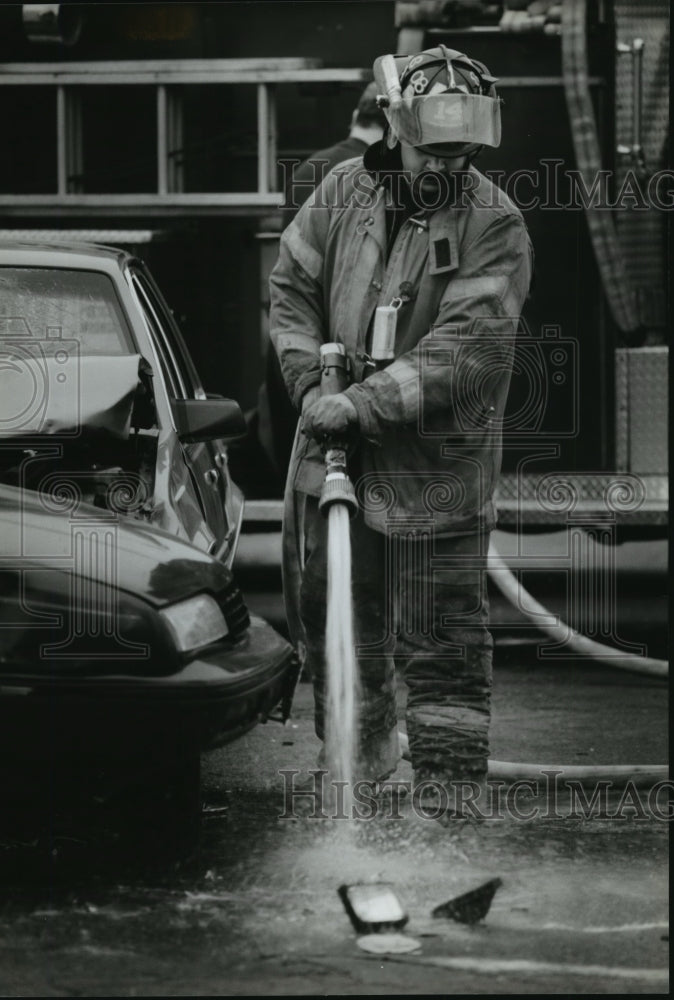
(430, 423)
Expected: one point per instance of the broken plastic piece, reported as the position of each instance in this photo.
(388, 944)
(470, 906)
(373, 908)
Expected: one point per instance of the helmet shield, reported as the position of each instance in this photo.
(436, 119)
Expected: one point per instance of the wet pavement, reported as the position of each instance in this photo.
(582, 909)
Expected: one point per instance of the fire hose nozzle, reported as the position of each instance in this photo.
(338, 488)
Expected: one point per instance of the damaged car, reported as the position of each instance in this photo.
(124, 635)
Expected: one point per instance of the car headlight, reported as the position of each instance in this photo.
(195, 622)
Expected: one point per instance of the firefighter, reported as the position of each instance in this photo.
(413, 224)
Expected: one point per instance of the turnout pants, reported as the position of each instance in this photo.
(419, 602)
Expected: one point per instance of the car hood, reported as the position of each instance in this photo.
(108, 548)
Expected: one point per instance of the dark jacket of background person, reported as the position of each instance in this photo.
(306, 177)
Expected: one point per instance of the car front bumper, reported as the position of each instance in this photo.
(210, 701)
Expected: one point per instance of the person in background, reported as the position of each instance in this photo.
(367, 127)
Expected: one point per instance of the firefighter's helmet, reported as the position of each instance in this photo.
(440, 101)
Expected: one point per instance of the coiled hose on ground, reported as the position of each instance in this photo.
(580, 645)
(577, 645)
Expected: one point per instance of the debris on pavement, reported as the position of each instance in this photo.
(469, 907)
(373, 908)
(388, 944)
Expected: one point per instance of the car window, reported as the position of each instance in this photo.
(174, 383)
(55, 304)
(170, 349)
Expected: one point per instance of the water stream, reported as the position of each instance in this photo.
(342, 671)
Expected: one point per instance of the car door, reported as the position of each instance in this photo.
(206, 460)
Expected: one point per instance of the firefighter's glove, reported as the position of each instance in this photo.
(329, 417)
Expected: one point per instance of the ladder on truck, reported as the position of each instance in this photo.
(169, 80)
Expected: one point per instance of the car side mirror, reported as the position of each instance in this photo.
(208, 419)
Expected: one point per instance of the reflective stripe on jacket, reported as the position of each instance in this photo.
(431, 421)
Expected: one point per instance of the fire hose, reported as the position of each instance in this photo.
(501, 770)
(576, 644)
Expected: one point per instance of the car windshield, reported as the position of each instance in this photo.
(53, 305)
